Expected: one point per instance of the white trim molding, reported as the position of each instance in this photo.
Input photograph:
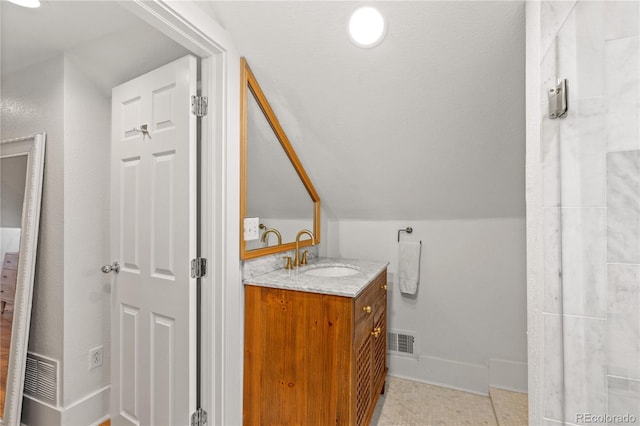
(221, 290)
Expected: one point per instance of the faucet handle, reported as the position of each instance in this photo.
(288, 265)
(303, 261)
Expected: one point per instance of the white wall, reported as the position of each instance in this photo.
(87, 118)
(71, 298)
(470, 310)
(288, 228)
(13, 172)
(9, 240)
(32, 101)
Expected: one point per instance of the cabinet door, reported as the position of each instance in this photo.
(379, 348)
(363, 374)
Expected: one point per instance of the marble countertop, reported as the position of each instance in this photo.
(296, 279)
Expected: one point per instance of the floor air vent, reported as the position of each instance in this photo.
(402, 343)
(41, 378)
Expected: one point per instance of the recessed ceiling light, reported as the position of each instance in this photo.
(367, 27)
(27, 3)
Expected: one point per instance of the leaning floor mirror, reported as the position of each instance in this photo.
(21, 174)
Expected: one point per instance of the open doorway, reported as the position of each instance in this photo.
(59, 63)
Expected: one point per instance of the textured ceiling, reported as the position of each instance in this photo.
(427, 125)
(430, 124)
(101, 37)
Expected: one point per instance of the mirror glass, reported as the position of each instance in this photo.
(21, 166)
(13, 173)
(275, 186)
(275, 193)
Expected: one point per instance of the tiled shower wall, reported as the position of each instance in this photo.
(591, 201)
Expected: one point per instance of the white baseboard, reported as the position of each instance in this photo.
(89, 410)
(474, 378)
(442, 372)
(37, 413)
(508, 375)
(101, 420)
(551, 422)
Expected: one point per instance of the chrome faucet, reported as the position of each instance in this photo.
(297, 261)
(271, 230)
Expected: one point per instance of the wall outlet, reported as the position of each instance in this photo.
(95, 357)
(251, 231)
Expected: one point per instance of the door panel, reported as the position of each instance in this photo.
(129, 373)
(129, 196)
(162, 226)
(162, 368)
(153, 238)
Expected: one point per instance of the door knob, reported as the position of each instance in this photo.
(115, 267)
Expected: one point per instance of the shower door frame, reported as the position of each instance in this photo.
(534, 213)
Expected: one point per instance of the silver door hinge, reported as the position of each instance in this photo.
(199, 418)
(199, 105)
(198, 267)
(558, 100)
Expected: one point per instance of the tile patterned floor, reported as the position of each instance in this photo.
(419, 404)
(511, 408)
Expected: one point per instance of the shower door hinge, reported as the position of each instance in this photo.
(199, 105)
(558, 100)
(199, 418)
(198, 267)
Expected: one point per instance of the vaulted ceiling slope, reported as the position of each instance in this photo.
(430, 124)
(103, 39)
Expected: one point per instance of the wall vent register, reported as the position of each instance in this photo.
(41, 379)
(401, 343)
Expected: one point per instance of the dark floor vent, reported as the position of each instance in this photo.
(402, 343)
(41, 378)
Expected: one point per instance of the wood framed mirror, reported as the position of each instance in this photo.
(274, 187)
(21, 171)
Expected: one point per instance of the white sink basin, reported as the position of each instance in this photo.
(332, 271)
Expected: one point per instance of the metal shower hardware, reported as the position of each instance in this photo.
(558, 103)
(408, 230)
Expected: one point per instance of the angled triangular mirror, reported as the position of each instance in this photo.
(274, 187)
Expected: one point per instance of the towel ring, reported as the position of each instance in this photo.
(408, 230)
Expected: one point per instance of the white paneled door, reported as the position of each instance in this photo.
(153, 238)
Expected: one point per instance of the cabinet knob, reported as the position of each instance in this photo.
(367, 309)
(383, 286)
(376, 332)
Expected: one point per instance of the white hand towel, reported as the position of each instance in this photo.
(409, 266)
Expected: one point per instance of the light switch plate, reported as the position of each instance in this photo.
(251, 228)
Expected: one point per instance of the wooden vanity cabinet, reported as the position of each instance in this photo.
(314, 359)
